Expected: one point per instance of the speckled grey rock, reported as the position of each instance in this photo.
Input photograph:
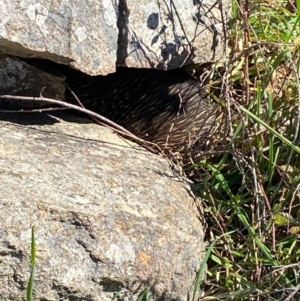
(109, 217)
(17, 77)
(92, 35)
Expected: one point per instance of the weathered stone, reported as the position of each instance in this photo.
(108, 215)
(92, 35)
(21, 79)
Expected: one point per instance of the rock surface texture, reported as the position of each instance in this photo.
(108, 216)
(93, 35)
(20, 78)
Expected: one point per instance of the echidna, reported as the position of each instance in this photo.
(168, 108)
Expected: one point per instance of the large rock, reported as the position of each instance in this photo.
(17, 77)
(109, 216)
(92, 35)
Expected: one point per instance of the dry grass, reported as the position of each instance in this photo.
(250, 185)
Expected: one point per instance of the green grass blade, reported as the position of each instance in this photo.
(271, 130)
(29, 291)
(145, 295)
(200, 273)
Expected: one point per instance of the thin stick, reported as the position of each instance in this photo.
(41, 110)
(115, 126)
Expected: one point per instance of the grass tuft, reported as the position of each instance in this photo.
(250, 185)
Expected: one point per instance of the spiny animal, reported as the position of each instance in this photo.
(169, 108)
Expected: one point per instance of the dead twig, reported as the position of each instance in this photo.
(117, 128)
(41, 110)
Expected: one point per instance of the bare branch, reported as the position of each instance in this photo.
(119, 129)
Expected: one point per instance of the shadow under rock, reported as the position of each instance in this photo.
(43, 118)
